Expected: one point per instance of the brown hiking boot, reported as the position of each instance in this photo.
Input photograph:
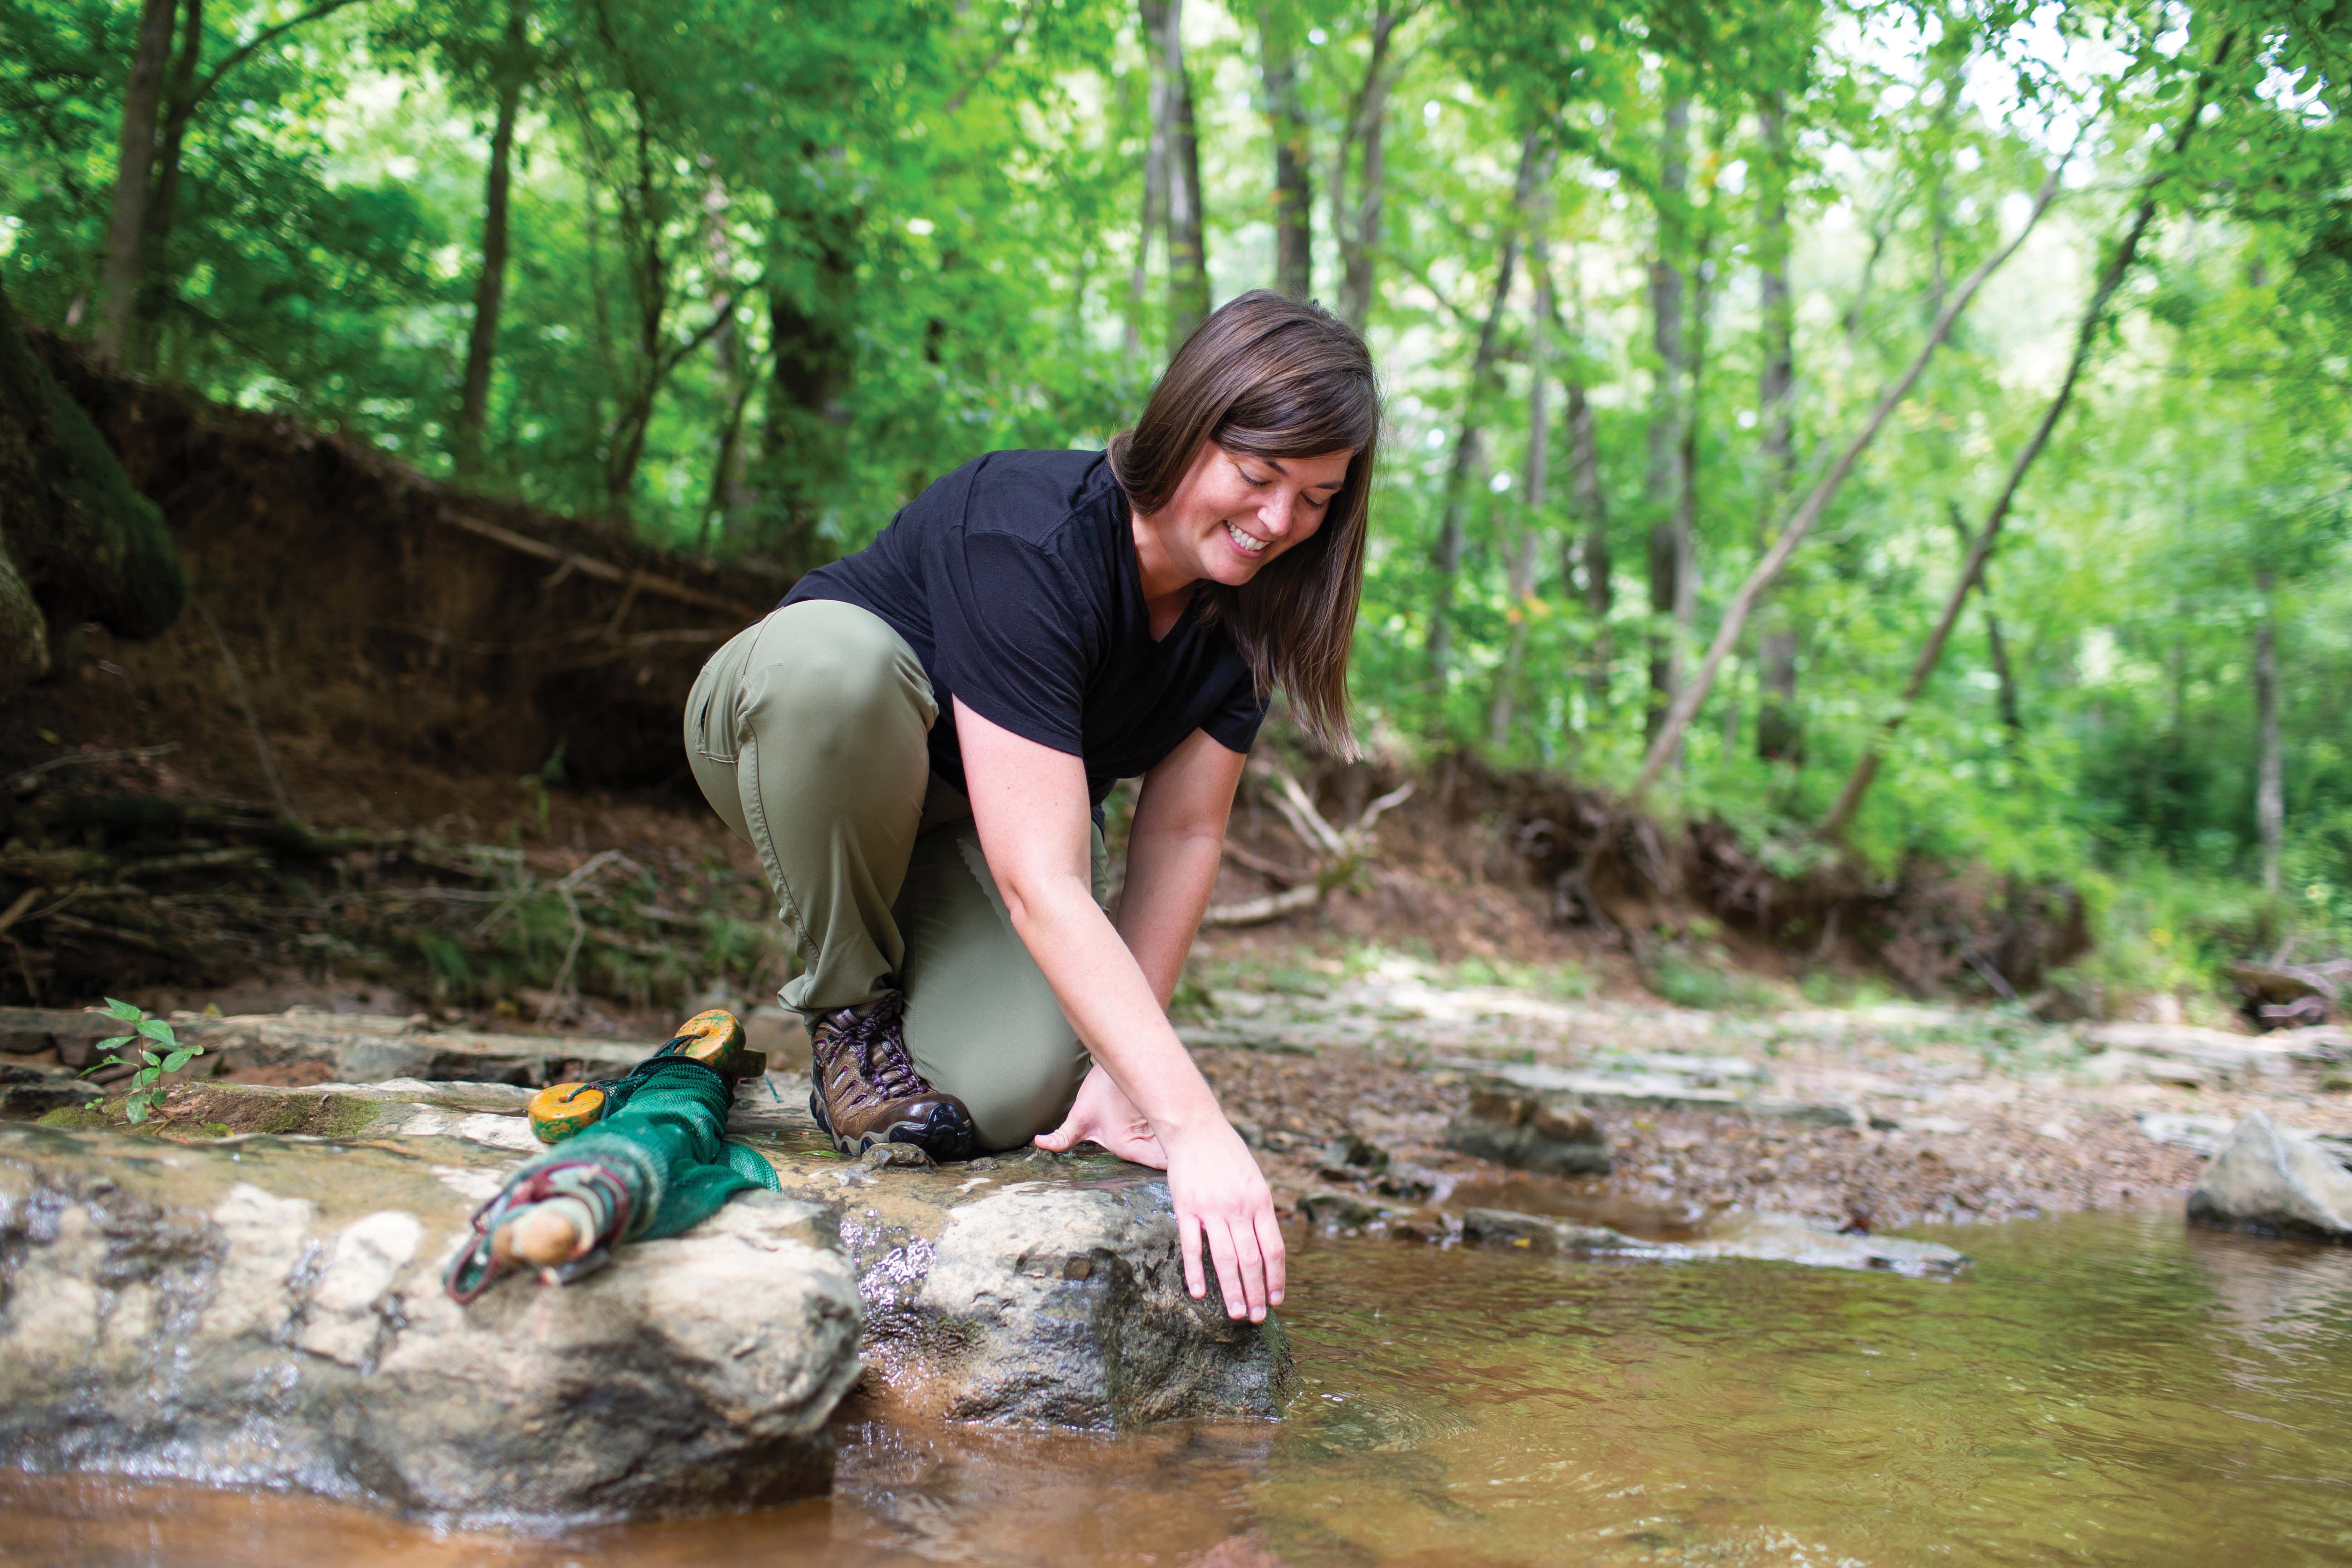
(867, 1091)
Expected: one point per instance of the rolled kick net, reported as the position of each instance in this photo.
(639, 1156)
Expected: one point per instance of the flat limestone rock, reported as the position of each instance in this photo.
(261, 1311)
(2183, 1053)
(2276, 1182)
(347, 1047)
(1653, 1088)
(1766, 1237)
(1023, 1289)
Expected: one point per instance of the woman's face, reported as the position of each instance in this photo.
(1234, 512)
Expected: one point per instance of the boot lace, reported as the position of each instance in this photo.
(882, 1041)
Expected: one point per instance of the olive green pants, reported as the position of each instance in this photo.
(807, 733)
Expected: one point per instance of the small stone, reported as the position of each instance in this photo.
(2277, 1182)
(1407, 1182)
(883, 1154)
(1343, 1213)
(1351, 1151)
(1542, 1233)
(1529, 1133)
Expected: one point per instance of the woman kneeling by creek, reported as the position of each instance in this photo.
(919, 741)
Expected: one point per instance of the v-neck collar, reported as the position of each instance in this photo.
(1133, 567)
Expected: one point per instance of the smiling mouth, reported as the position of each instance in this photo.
(1245, 542)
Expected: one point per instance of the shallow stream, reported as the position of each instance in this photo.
(2106, 1388)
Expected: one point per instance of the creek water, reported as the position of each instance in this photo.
(2109, 1388)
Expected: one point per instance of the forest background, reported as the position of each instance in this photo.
(1893, 430)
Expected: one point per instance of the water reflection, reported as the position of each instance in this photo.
(2100, 1389)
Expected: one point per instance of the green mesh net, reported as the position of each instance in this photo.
(658, 1164)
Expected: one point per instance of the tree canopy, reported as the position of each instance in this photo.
(1655, 289)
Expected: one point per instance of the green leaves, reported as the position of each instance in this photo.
(160, 1049)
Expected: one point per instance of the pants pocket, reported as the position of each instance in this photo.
(710, 705)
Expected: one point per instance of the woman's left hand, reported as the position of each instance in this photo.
(1103, 1114)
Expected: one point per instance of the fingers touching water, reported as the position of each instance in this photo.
(1224, 1207)
(1225, 1211)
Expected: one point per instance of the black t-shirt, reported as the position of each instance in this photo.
(1014, 581)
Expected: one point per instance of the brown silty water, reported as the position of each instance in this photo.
(2108, 1388)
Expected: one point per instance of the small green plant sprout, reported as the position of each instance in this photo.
(157, 1043)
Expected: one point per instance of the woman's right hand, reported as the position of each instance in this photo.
(1222, 1203)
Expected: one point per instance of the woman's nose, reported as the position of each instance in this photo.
(1274, 513)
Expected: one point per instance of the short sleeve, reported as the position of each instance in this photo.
(1016, 638)
(1233, 722)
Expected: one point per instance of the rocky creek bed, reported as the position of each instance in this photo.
(1865, 1121)
(246, 1291)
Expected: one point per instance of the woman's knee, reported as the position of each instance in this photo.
(829, 678)
(1016, 1074)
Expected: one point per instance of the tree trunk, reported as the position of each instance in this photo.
(1592, 505)
(1520, 569)
(1294, 193)
(1154, 17)
(1447, 556)
(2012, 717)
(489, 286)
(1663, 486)
(1686, 502)
(816, 358)
(2005, 701)
(1187, 261)
(134, 157)
(2111, 276)
(1357, 226)
(163, 194)
(727, 498)
(2270, 775)
(1743, 603)
(1779, 735)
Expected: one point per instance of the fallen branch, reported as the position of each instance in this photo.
(1338, 853)
(571, 561)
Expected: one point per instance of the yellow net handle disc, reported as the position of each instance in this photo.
(560, 1109)
(715, 1040)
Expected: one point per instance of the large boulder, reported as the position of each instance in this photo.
(265, 1311)
(77, 542)
(1029, 1289)
(2276, 1182)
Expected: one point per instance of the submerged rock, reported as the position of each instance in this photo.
(2276, 1182)
(1773, 1238)
(1528, 1132)
(268, 1311)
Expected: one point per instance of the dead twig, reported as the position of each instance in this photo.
(252, 720)
(1340, 852)
(17, 781)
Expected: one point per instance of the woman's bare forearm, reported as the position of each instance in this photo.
(1169, 877)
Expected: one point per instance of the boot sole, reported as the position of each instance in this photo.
(949, 1137)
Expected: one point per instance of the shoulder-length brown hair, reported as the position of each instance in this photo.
(1273, 377)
